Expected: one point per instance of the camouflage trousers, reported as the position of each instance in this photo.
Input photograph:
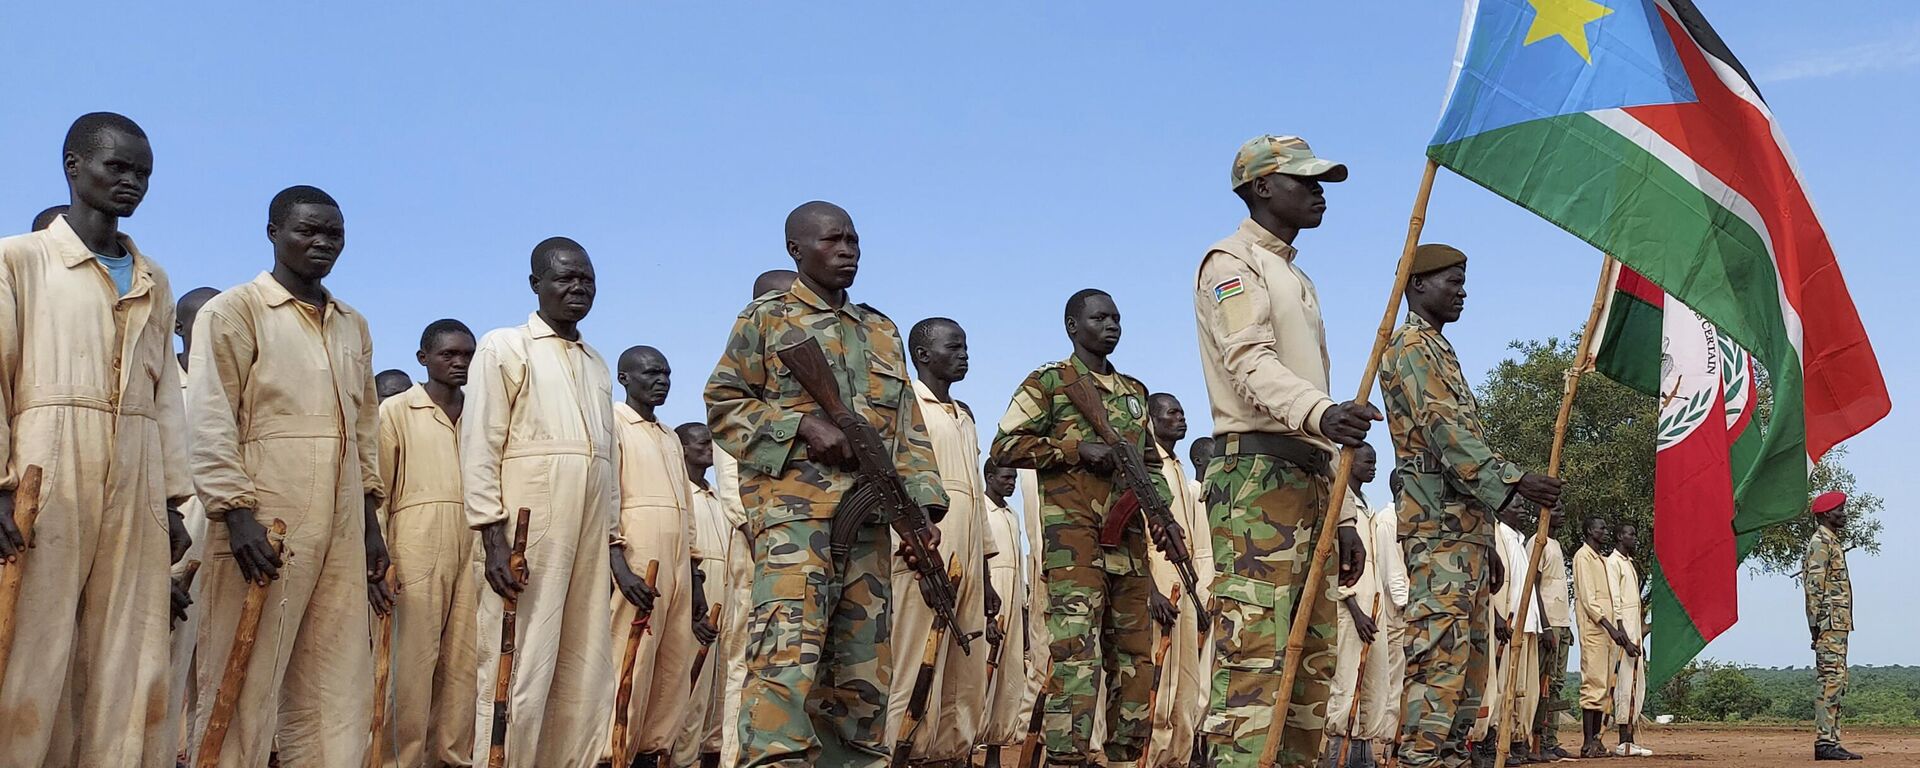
(1553, 678)
(818, 663)
(1265, 515)
(1097, 623)
(1830, 665)
(1447, 652)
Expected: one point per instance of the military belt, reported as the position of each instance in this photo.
(1287, 448)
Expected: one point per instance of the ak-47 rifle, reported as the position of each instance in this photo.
(922, 685)
(994, 652)
(877, 486)
(1033, 752)
(1140, 493)
(509, 624)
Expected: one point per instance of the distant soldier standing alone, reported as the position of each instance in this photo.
(1829, 619)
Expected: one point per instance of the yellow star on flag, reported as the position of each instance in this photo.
(1567, 20)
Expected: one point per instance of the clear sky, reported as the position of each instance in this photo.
(995, 156)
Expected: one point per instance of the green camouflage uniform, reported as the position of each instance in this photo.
(1452, 481)
(817, 656)
(1830, 618)
(1096, 596)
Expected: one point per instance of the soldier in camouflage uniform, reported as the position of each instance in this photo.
(1263, 352)
(1829, 619)
(1452, 481)
(1097, 596)
(817, 648)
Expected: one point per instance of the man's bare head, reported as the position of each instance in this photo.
(774, 281)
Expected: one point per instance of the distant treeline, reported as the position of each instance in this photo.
(1710, 691)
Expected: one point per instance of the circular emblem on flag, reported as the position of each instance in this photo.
(1690, 375)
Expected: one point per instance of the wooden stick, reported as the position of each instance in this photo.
(234, 678)
(700, 657)
(26, 510)
(1153, 694)
(509, 638)
(382, 672)
(1312, 592)
(1582, 362)
(1359, 679)
(1032, 751)
(623, 696)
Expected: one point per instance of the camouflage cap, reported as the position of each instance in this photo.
(1282, 154)
(1435, 256)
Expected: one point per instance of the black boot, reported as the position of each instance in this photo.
(1829, 752)
(1590, 729)
(709, 760)
(993, 756)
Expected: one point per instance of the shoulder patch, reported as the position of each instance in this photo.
(1228, 288)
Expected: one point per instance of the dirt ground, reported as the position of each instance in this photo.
(1713, 746)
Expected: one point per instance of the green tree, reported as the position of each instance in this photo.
(1608, 458)
(1726, 692)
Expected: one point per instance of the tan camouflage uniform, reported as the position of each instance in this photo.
(818, 661)
(1096, 611)
(1452, 483)
(1830, 618)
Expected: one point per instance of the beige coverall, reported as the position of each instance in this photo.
(284, 424)
(1628, 675)
(1182, 700)
(88, 386)
(436, 610)
(731, 653)
(180, 685)
(1593, 601)
(656, 517)
(1007, 693)
(713, 537)
(1377, 695)
(1520, 670)
(1388, 562)
(956, 701)
(537, 432)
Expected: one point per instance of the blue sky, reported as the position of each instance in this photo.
(995, 157)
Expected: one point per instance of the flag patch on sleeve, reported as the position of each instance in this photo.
(1227, 290)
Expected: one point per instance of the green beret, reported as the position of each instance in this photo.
(1433, 257)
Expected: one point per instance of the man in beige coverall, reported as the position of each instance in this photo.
(1182, 700)
(90, 395)
(1006, 723)
(180, 687)
(656, 519)
(284, 429)
(431, 721)
(538, 433)
(713, 534)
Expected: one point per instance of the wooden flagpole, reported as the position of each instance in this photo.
(1582, 362)
(1323, 546)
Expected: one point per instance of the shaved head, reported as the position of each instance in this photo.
(45, 218)
(804, 218)
(774, 281)
(191, 301)
(636, 356)
(88, 132)
(547, 249)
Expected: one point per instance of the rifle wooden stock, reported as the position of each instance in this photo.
(700, 657)
(233, 679)
(509, 637)
(922, 685)
(1032, 752)
(1132, 469)
(623, 695)
(382, 673)
(26, 510)
(877, 475)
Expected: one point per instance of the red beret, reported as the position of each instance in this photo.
(1827, 502)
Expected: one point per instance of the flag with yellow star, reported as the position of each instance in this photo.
(1631, 125)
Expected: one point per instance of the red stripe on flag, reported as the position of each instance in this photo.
(1693, 524)
(1734, 140)
(1634, 284)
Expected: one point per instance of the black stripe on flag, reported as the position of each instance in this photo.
(1709, 41)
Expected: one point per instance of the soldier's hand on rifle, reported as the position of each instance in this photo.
(181, 600)
(1353, 555)
(1496, 573)
(635, 589)
(1096, 456)
(1163, 611)
(1540, 489)
(247, 538)
(500, 574)
(1169, 538)
(178, 540)
(1347, 423)
(932, 537)
(826, 444)
(11, 542)
(1362, 623)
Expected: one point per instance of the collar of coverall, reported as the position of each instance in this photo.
(276, 294)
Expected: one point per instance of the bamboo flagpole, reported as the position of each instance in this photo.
(1323, 546)
(1582, 362)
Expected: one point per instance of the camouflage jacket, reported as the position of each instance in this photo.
(1042, 431)
(1829, 589)
(1453, 481)
(754, 405)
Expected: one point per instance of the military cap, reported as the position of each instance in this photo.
(1827, 502)
(1282, 154)
(1432, 257)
